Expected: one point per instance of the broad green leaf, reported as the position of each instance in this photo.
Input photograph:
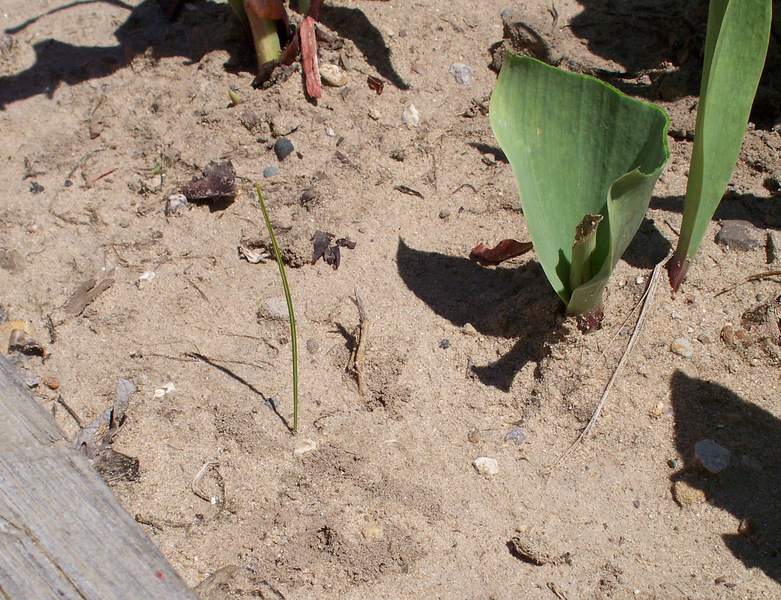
(577, 147)
(735, 48)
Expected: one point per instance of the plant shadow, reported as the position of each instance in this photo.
(497, 301)
(648, 248)
(762, 212)
(223, 369)
(194, 35)
(750, 486)
(353, 24)
(665, 39)
(495, 151)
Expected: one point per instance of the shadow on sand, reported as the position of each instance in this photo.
(750, 487)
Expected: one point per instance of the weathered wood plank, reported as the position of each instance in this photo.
(63, 534)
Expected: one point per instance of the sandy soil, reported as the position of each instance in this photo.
(106, 109)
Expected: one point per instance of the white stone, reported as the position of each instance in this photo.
(332, 75)
(682, 347)
(411, 116)
(486, 466)
(304, 446)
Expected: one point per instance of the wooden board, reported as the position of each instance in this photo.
(63, 533)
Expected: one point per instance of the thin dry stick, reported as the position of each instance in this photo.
(645, 301)
(360, 349)
(196, 484)
(754, 277)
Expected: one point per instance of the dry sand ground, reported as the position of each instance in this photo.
(106, 109)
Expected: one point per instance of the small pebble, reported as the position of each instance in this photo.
(461, 73)
(411, 116)
(713, 457)
(444, 213)
(636, 503)
(282, 125)
(444, 344)
(274, 308)
(372, 532)
(516, 434)
(740, 235)
(329, 131)
(144, 279)
(304, 446)
(270, 172)
(52, 383)
(682, 347)
(312, 346)
(175, 203)
(673, 463)
(474, 436)
(374, 113)
(747, 528)
(469, 329)
(332, 75)
(704, 338)
(166, 389)
(686, 495)
(283, 147)
(486, 466)
(760, 297)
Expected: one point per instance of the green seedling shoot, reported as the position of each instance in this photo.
(263, 18)
(586, 158)
(735, 47)
(289, 299)
(234, 97)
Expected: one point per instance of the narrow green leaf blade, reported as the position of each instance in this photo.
(577, 146)
(735, 49)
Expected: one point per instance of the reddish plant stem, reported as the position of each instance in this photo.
(309, 57)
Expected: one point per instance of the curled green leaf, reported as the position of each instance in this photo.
(577, 147)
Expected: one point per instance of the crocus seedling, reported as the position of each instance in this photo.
(265, 19)
(586, 158)
(735, 47)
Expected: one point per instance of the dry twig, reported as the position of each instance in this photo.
(754, 277)
(360, 348)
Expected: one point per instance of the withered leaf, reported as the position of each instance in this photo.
(333, 256)
(345, 243)
(96, 436)
(504, 250)
(86, 293)
(321, 241)
(376, 84)
(217, 182)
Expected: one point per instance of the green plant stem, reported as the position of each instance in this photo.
(289, 299)
(266, 38)
(581, 269)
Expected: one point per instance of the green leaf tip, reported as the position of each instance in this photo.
(578, 147)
